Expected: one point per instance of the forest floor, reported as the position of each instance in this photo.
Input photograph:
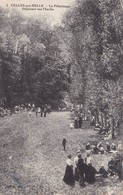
(32, 160)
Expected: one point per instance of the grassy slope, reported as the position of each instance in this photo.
(33, 161)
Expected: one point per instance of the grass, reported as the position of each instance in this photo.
(33, 161)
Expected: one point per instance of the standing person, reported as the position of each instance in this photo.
(64, 141)
(75, 165)
(119, 147)
(41, 111)
(76, 122)
(68, 176)
(80, 120)
(82, 167)
(29, 106)
(45, 112)
(118, 164)
(33, 107)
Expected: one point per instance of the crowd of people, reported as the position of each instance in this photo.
(5, 111)
(81, 169)
(42, 110)
(78, 120)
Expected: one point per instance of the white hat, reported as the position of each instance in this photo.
(78, 151)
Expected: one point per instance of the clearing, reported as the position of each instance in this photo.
(32, 160)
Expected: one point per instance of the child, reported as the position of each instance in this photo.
(64, 141)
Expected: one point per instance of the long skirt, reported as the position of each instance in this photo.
(76, 124)
(69, 177)
(76, 174)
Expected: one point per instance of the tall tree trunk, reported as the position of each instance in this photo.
(112, 127)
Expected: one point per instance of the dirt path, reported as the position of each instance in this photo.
(32, 158)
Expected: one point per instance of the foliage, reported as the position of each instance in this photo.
(32, 69)
(96, 30)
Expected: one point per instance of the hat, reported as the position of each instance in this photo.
(88, 153)
(88, 144)
(69, 156)
(78, 151)
(79, 155)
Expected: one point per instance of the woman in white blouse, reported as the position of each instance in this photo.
(68, 176)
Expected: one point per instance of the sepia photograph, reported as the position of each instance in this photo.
(61, 97)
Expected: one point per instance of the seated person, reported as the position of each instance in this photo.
(87, 147)
(104, 130)
(108, 148)
(111, 167)
(113, 146)
(88, 159)
(103, 172)
(99, 145)
(100, 148)
(90, 174)
(97, 127)
(94, 149)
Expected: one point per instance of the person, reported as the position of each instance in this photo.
(80, 121)
(71, 125)
(64, 141)
(92, 121)
(97, 127)
(118, 164)
(75, 165)
(111, 167)
(90, 174)
(108, 148)
(41, 111)
(88, 159)
(68, 176)
(99, 145)
(30, 113)
(88, 147)
(33, 107)
(45, 112)
(75, 123)
(81, 166)
(119, 147)
(113, 147)
(100, 148)
(103, 172)
(94, 149)
(29, 106)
